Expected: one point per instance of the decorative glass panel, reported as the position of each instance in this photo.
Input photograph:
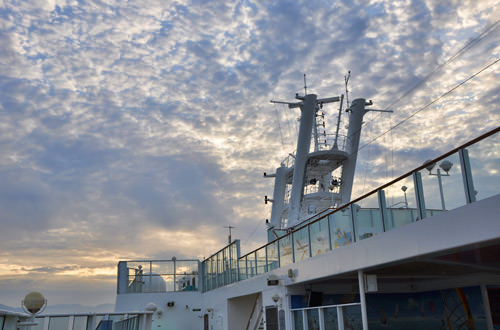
(301, 244)
(286, 250)
(319, 237)
(341, 230)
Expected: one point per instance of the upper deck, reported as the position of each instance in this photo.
(415, 196)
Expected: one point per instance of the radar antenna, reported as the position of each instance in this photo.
(229, 239)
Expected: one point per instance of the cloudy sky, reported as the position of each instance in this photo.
(139, 129)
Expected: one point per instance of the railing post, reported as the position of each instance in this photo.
(353, 222)
(470, 194)
(419, 195)
(46, 322)
(383, 208)
(362, 298)
(321, 315)
(340, 317)
(329, 232)
(151, 276)
(71, 321)
(304, 319)
(309, 238)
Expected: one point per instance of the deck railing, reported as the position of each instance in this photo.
(414, 196)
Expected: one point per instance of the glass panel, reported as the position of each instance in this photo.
(58, 323)
(242, 262)
(272, 256)
(261, 260)
(367, 218)
(234, 263)
(319, 237)
(136, 276)
(341, 228)
(298, 320)
(331, 320)
(163, 267)
(213, 277)
(220, 269)
(484, 159)
(80, 323)
(39, 321)
(97, 319)
(313, 319)
(286, 250)
(352, 317)
(443, 185)
(186, 267)
(401, 204)
(301, 244)
(251, 265)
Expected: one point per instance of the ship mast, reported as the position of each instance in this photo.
(310, 173)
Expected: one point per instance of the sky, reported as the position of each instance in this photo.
(139, 129)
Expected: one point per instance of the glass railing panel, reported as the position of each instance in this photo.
(352, 317)
(96, 320)
(301, 244)
(484, 159)
(341, 231)
(367, 217)
(320, 237)
(401, 205)
(443, 185)
(213, 273)
(162, 267)
(186, 282)
(261, 262)
(312, 318)
(331, 319)
(272, 256)
(39, 323)
(189, 267)
(286, 250)
(298, 320)
(243, 268)
(57, 323)
(233, 263)
(80, 323)
(251, 265)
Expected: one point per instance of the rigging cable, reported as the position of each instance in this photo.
(432, 102)
(279, 126)
(460, 52)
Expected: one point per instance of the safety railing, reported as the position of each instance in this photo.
(344, 316)
(91, 321)
(148, 276)
(462, 176)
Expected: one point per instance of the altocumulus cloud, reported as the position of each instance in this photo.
(126, 127)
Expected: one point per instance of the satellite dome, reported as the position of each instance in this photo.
(34, 302)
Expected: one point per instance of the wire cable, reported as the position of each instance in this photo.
(432, 102)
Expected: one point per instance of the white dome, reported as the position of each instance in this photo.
(153, 282)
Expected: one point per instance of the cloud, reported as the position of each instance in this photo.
(124, 125)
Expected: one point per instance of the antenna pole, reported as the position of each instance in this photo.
(229, 240)
(346, 79)
(305, 85)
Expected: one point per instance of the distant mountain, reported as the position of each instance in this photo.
(68, 309)
(12, 309)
